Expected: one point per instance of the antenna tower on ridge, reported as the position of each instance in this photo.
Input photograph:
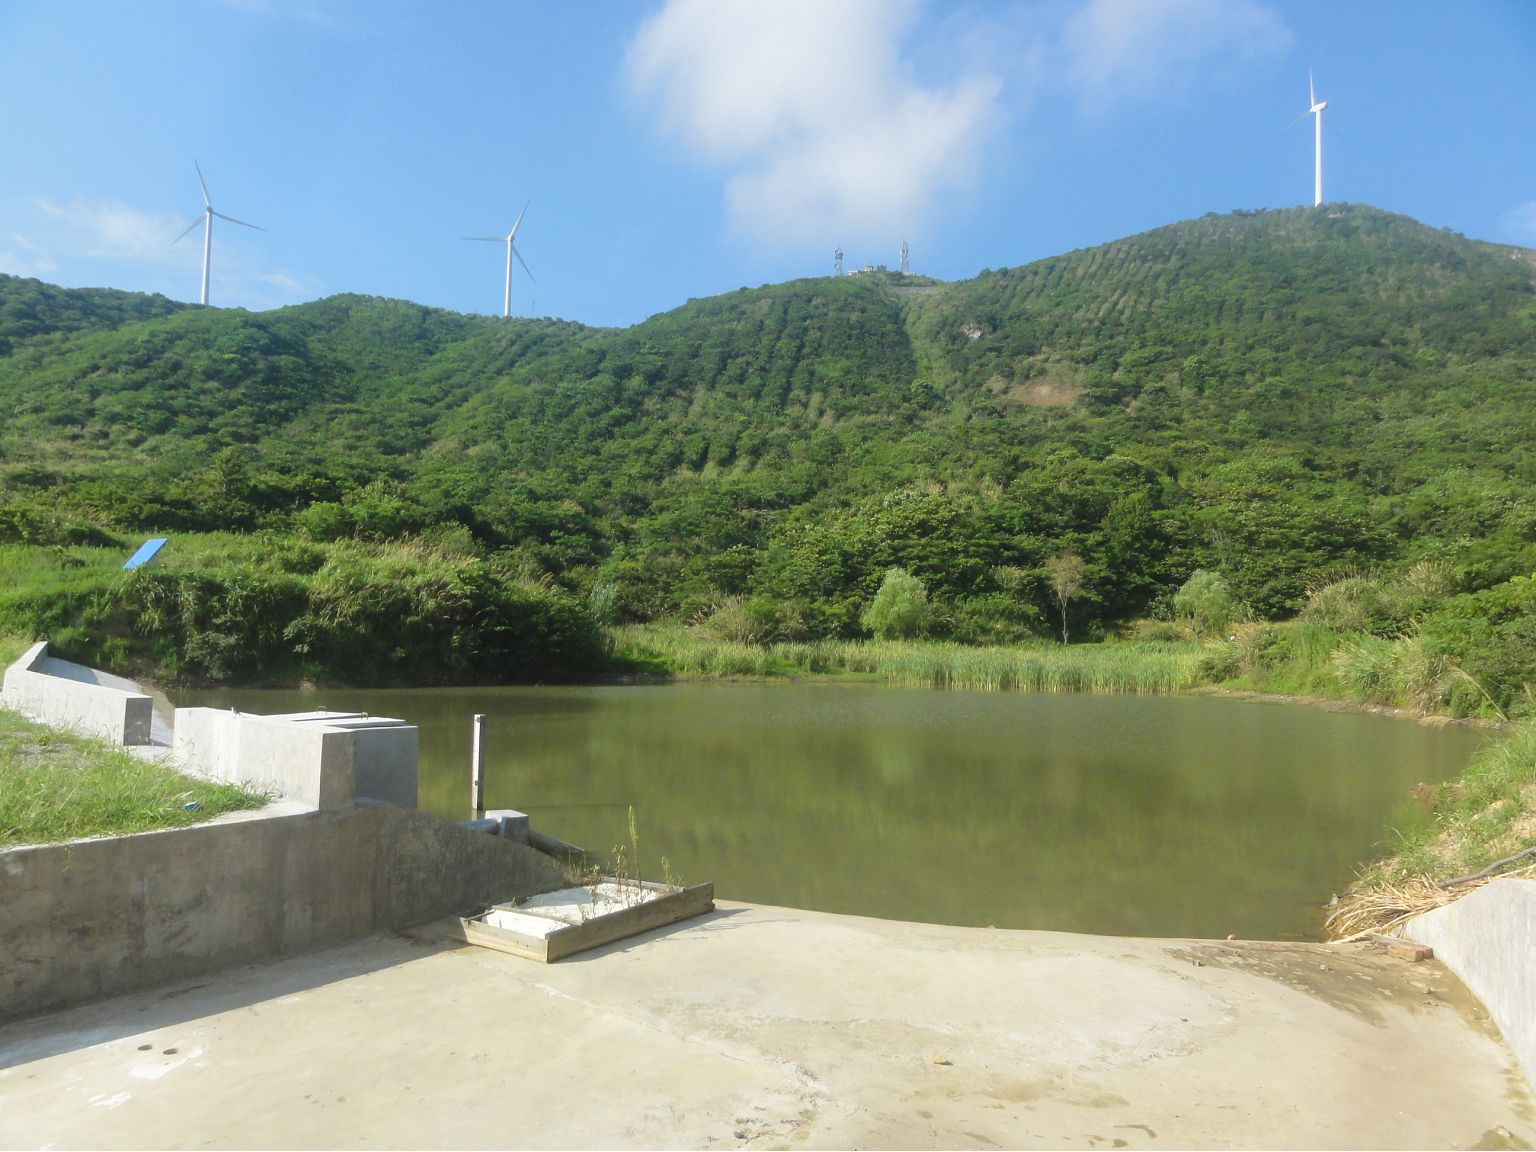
(906, 264)
(837, 261)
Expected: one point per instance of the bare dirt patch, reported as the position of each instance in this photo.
(1041, 392)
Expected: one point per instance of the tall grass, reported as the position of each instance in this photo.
(58, 568)
(12, 645)
(1149, 667)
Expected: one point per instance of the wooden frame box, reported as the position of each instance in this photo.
(557, 924)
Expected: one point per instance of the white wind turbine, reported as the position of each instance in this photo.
(1317, 111)
(510, 241)
(207, 222)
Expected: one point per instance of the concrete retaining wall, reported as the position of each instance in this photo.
(94, 918)
(75, 697)
(1488, 938)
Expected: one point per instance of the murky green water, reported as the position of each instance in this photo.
(1143, 816)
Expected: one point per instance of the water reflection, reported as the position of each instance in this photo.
(1146, 816)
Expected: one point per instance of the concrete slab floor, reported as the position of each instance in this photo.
(772, 1028)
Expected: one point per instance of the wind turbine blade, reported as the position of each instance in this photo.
(512, 235)
(204, 184)
(1298, 119)
(492, 239)
(190, 226)
(523, 262)
(232, 220)
(1311, 91)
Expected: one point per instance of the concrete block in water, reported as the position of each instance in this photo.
(514, 824)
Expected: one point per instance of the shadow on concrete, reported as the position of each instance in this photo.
(103, 1021)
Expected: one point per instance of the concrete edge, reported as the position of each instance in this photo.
(1488, 939)
(71, 696)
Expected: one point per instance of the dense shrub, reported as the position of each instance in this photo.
(755, 620)
(368, 615)
(1207, 603)
(1491, 634)
(22, 523)
(900, 609)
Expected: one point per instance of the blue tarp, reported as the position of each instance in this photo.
(150, 549)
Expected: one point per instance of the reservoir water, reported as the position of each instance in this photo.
(1156, 816)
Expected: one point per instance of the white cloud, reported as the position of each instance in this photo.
(1118, 51)
(110, 230)
(814, 111)
(1523, 219)
(282, 281)
(289, 287)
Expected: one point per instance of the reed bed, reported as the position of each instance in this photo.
(1152, 668)
(1141, 668)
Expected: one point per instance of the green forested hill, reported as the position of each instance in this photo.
(1279, 397)
(31, 310)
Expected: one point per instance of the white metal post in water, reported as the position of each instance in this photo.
(477, 767)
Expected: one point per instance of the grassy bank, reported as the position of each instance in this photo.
(58, 786)
(1302, 658)
(11, 648)
(1466, 832)
(1148, 667)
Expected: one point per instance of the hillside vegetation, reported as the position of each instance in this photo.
(1328, 411)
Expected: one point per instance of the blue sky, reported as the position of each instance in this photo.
(688, 147)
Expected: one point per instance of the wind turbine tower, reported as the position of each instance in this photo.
(906, 264)
(1316, 111)
(837, 261)
(206, 219)
(510, 240)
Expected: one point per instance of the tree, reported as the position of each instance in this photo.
(1066, 571)
(1207, 602)
(900, 609)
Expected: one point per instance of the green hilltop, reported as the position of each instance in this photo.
(1279, 397)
